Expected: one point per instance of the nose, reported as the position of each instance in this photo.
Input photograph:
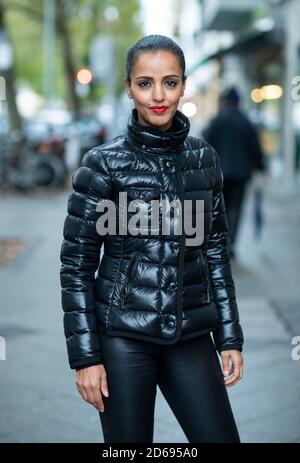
(158, 93)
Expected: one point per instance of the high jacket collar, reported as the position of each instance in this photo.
(153, 140)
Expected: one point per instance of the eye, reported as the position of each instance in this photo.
(141, 84)
(171, 83)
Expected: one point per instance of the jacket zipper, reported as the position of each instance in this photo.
(130, 274)
(207, 278)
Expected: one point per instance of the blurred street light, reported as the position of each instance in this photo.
(189, 109)
(271, 92)
(256, 95)
(84, 76)
(267, 92)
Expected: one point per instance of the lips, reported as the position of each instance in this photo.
(159, 109)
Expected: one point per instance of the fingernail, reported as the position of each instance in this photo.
(106, 393)
(226, 372)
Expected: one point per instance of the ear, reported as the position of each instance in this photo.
(127, 88)
(183, 87)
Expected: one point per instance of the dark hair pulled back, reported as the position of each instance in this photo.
(153, 43)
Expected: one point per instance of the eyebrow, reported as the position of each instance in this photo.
(147, 77)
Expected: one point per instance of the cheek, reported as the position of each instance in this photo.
(141, 97)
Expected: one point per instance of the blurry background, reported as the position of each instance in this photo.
(62, 67)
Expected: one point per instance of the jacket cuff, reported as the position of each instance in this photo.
(87, 362)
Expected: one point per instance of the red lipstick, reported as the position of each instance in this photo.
(159, 109)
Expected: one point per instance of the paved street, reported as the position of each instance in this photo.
(39, 401)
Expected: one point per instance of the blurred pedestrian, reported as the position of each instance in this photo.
(147, 318)
(234, 138)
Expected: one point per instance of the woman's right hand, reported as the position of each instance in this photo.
(91, 382)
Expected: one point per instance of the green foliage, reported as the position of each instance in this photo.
(85, 19)
(26, 35)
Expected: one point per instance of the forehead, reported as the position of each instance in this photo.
(162, 62)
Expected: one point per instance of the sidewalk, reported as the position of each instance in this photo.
(39, 401)
(266, 403)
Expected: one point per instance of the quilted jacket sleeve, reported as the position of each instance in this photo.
(79, 256)
(229, 334)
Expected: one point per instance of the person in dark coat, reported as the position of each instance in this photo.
(235, 139)
(162, 305)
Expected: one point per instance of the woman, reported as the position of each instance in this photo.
(146, 319)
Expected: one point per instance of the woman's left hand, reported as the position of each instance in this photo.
(232, 363)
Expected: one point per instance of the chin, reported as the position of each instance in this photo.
(161, 119)
(157, 120)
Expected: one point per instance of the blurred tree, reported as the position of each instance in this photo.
(77, 22)
(66, 40)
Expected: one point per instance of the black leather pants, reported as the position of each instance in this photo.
(189, 376)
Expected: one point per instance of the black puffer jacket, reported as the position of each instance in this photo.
(154, 288)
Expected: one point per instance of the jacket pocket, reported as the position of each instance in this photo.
(127, 283)
(143, 193)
